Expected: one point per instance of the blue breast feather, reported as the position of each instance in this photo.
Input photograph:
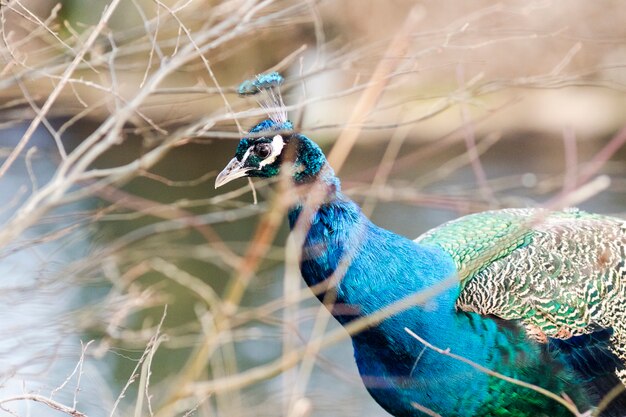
(398, 370)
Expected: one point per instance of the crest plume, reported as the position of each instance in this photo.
(266, 90)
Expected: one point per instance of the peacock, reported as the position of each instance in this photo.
(537, 299)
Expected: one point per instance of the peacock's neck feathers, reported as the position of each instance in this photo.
(339, 233)
(310, 164)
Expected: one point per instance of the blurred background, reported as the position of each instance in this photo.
(117, 254)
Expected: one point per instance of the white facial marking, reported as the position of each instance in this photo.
(277, 148)
(245, 156)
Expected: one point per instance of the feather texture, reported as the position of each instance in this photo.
(564, 277)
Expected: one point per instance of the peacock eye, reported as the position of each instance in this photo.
(263, 150)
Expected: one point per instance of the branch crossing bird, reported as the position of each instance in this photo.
(539, 297)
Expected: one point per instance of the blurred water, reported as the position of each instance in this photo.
(39, 344)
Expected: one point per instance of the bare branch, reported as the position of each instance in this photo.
(55, 405)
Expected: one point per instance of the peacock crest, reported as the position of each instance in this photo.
(265, 88)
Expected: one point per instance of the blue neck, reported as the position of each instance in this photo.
(382, 268)
(340, 233)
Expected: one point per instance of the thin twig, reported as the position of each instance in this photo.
(106, 15)
(571, 407)
(55, 405)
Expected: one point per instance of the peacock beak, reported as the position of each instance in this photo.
(233, 170)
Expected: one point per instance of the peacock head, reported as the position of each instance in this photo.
(272, 143)
(260, 154)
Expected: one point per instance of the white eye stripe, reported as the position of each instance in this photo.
(277, 148)
(245, 156)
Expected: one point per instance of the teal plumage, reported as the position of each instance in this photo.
(540, 297)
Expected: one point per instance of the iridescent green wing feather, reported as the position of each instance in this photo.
(476, 240)
(561, 274)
